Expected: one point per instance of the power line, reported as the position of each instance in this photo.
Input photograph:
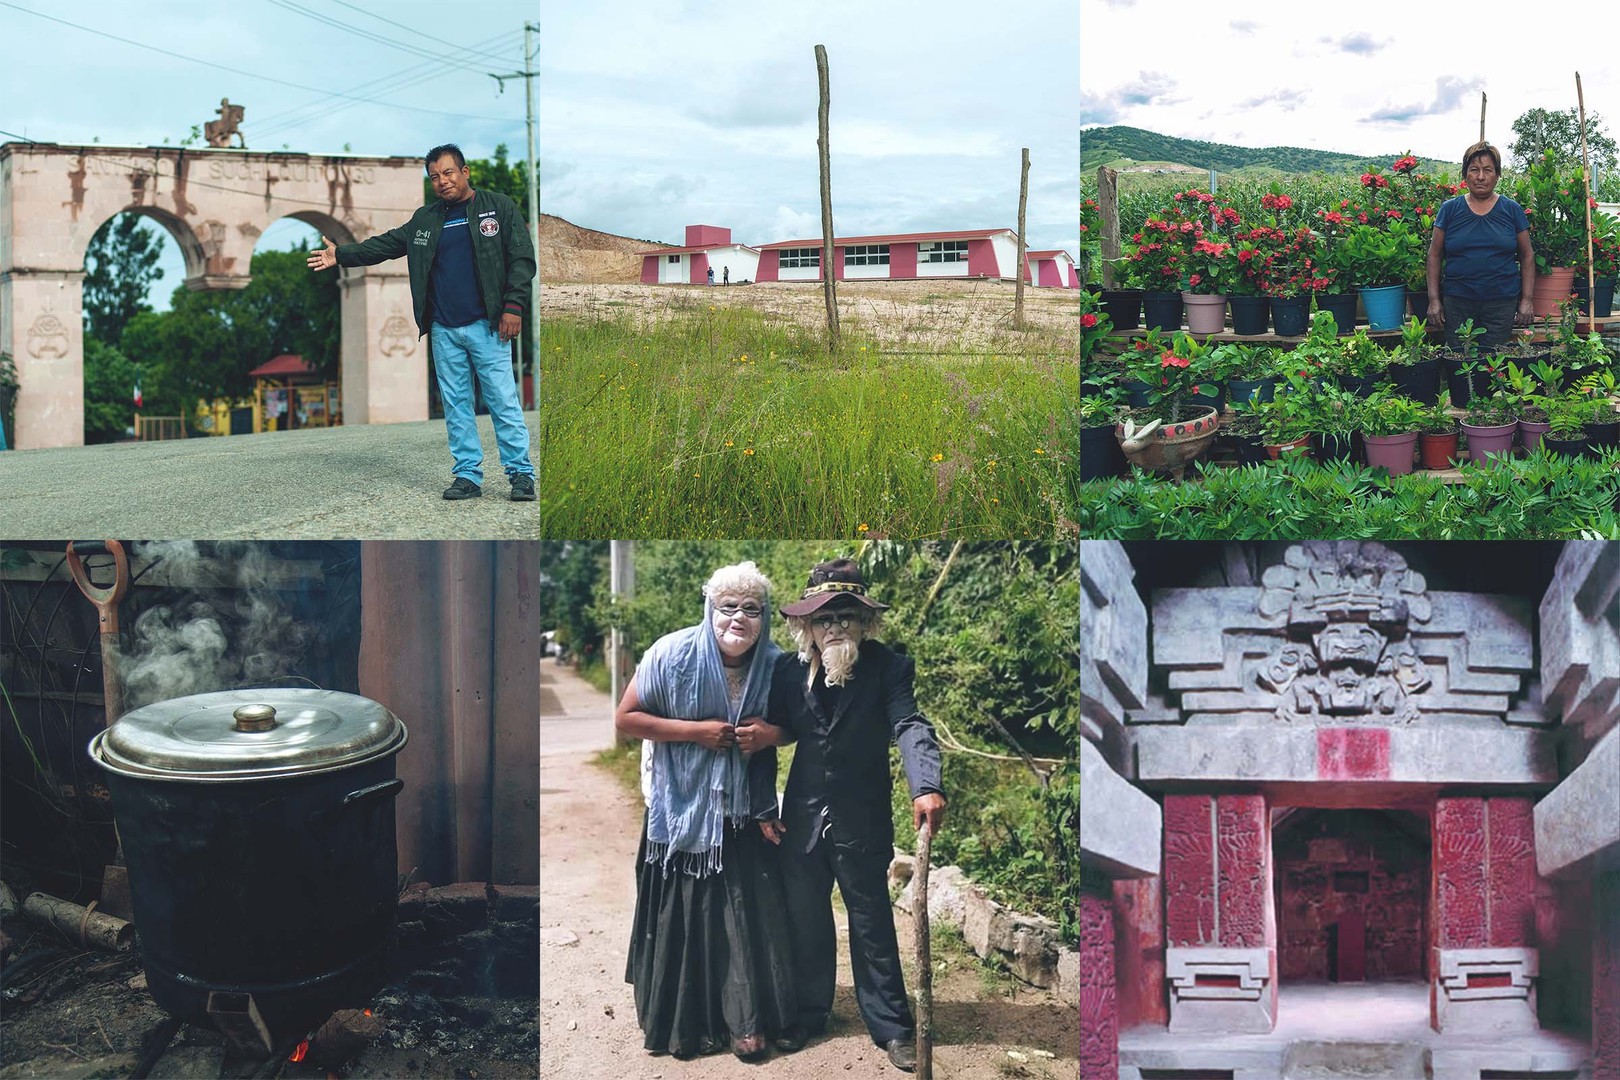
(269, 125)
(414, 50)
(379, 18)
(248, 74)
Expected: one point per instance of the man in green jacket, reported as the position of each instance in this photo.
(470, 261)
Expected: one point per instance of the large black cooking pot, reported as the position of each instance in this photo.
(258, 827)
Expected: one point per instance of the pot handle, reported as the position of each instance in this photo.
(320, 819)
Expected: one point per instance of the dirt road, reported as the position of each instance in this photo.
(589, 827)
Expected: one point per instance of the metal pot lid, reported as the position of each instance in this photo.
(248, 735)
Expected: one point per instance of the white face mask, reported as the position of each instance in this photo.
(736, 633)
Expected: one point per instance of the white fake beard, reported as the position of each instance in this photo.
(840, 660)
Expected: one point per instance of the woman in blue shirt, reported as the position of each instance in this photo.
(1484, 240)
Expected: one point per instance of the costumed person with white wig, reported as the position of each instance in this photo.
(710, 957)
(845, 697)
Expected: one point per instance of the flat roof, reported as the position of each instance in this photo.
(691, 250)
(890, 238)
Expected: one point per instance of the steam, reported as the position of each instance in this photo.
(233, 633)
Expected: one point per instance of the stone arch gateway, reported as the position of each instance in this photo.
(216, 203)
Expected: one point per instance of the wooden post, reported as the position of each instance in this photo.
(828, 289)
(1482, 116)
(925, 958)
(1108, 212)
(1023, 245)
(1586, 177)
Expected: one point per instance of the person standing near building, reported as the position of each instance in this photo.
(470, 261)
(725, 276)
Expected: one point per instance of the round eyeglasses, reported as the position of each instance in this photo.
(825, 622)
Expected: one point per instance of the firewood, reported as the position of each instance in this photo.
(83, 925)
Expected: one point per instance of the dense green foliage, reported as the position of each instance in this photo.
(120, 266)
(205, 345)
(724, 421)
(570, 571)
(1540, 130)
(996, 665)
(109, 387)
(1538, 497)
(1102, 145)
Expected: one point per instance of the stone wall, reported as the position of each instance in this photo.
(1099, 1009)
(1331, 864)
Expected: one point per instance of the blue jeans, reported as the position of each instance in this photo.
(458, 352)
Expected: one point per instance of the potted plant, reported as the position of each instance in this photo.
(1464, 375)
(1437, 441)
(1602, 268)
(1248, 370)
(1390, 424)
(1212, 272)
(1414, 368)
(1100, 455)
(1554, 202)
(1335, 434)
(1285, 420)
(1152, 265)
(1336, 293)
(1361, 363)
(1290, 272)
(1532, 405)
(1172, 430)
(1603, 423)
(1245, 424)
(1379, 256)
(1490, 426)
(1566, 426)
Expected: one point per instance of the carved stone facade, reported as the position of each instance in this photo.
(215, 203)
(1444, 758)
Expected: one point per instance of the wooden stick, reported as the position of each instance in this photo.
(1482, 116)
(88, 928)
(925, 959)
(1108, 214)
(1023, 246)
(828, 288)
(1586, 177)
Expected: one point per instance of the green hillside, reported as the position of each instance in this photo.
(1123, 147)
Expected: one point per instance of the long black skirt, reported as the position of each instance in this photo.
(711, 958)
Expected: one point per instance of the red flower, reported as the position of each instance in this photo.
(1194, 280)
(1169, 360)
(1276, 202)
(1405, 164)
(1088, 320)
(1392, 213)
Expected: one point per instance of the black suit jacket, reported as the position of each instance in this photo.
(840, 774)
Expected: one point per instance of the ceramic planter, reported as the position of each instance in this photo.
(1250, 314)
(1489, 440)
(1393, 452)
(1290, 315)
(1169, 447)
(1124, 307)
(1161, 310)
(1385, 306)
(1437, 451)
(1100, 455)
(1531, 432)
(1206, 314)
(1552, 289)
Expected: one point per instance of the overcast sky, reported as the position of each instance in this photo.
(72, 84)
(664, 113)
(1372, 77)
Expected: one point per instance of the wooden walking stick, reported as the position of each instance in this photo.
(1586, 176)
(925, 960)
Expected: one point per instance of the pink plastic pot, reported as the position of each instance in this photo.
(1393, 452)
(1496, 439)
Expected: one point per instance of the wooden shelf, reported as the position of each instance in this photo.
(1541, 332)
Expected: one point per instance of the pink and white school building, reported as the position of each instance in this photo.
(990, 254)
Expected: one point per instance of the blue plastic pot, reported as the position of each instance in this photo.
(1385, 306)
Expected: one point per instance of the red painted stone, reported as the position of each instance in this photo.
(1606, 976)
(1478, 980)
(1350, 948)
(1099, 1014)
(1189, 870)
(1139, 952)
(1460, 873)
(1352, 753)
(1243, 870)
(1512, 874)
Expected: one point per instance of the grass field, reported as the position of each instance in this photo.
(727, 421)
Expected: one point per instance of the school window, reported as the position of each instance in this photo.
(672, 259)
(867, 255)
(942, 251)
(800, 258)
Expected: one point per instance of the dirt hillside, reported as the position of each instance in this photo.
(571, 253)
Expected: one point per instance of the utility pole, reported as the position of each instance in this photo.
(528, 75)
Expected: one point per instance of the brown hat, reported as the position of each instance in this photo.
(839, 579)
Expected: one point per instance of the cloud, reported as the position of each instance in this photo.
(1287, 100)
(1149, 88)
(1449, 91)
(1243, 26)
(1360, 44)
(1095, 109)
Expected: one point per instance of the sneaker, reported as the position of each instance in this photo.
(522, 487)
(462, 488)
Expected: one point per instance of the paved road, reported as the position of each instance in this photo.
(575, 717)
(370, 481)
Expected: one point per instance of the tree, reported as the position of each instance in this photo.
(109, 386)
(120, 265)
(1541, 129)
